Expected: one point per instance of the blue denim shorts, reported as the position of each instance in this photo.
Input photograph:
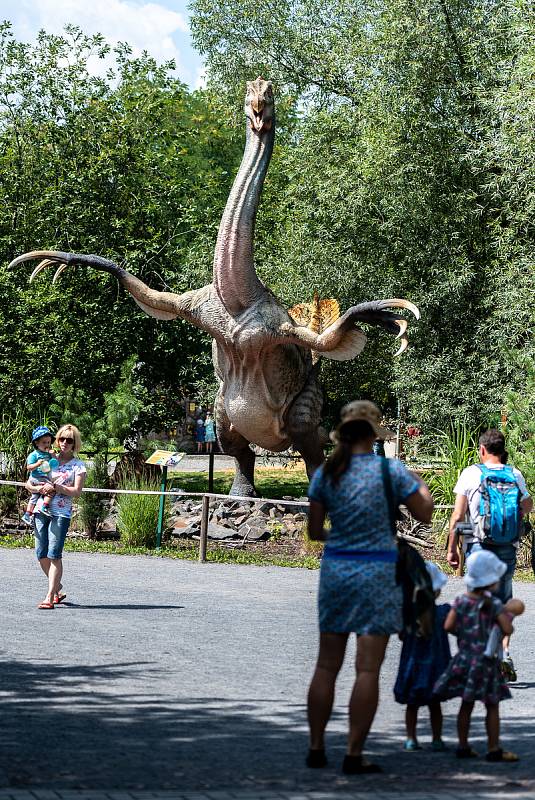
(506, 553)
(50, 534)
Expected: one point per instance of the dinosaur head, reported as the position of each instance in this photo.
(259, 105)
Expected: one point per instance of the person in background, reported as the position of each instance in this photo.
(358, 592)
(199, 434)
(209, 432)
(493, 456)
(51, 529)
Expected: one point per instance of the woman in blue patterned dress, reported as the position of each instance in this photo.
(358, 592)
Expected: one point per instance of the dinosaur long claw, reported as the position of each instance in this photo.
(60, 269)
(398, 302)
(403, 325)
(403, 347)
(41, 266)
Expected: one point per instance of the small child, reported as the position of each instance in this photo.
(422, 662)
(40, 464)
(470, 675)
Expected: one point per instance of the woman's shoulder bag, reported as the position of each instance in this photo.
(411, 573)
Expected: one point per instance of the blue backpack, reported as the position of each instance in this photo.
(499, 506)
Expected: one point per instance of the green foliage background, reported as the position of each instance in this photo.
(404, 167)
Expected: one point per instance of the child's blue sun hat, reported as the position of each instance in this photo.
(41, 430)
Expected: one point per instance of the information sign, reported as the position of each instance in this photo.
(164, 458)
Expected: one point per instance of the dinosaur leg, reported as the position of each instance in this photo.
(234, 444)
(304, 424)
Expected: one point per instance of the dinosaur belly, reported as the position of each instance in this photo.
(258, 393)
(259, 422)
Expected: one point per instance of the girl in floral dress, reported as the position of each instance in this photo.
(471, 675)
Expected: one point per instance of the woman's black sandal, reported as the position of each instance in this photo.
(357, 765)
(501, 755)
(316, 759)
(466, 752)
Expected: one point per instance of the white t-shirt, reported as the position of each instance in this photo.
(468, 485)
(61, 505)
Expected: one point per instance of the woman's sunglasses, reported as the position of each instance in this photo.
(66, 439)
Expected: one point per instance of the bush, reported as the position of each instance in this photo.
(138, 514)
(93, 508)
(8, 501)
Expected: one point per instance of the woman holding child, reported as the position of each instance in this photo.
(52, 523)
(358, 591)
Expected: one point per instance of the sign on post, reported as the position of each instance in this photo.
(163, 459)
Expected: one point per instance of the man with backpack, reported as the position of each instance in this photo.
(495, 498)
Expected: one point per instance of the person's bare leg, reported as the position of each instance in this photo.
(492, 723)
(54, 578)
(411, 720)
(435, 713)
(44, 563)
(463, 723)
(321, 691)
(365, 695)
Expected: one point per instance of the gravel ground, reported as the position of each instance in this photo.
(169, 675)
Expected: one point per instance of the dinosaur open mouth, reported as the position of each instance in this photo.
(259, 122)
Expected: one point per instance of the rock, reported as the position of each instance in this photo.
(220, 532)
(192, 529)
(255, 531)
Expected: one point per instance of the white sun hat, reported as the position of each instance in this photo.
(438, 578)
(483, 568)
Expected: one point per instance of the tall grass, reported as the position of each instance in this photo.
(137, 517)
(15, 441)
(15, 445)
(453, 450)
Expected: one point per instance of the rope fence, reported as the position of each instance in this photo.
(205, 510)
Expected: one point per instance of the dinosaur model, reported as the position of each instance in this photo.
(263, 355)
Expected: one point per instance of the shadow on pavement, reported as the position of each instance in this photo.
(122, 607)
(72, 727)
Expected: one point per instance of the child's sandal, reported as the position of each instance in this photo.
(466, 752)
(501, 755)
(316, 759)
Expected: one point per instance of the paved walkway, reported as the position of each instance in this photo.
(179, 681)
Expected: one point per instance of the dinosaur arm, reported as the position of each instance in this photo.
(340, 346)
(342, 340)
(161, 305)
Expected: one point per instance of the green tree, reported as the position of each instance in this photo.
(404, 176)
(132, 166)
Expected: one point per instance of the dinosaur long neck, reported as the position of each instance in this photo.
(235, 279)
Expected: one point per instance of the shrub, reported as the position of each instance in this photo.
(8, 501)
(93, 508)
(138, 514)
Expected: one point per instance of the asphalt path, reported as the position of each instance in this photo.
(160, 674)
